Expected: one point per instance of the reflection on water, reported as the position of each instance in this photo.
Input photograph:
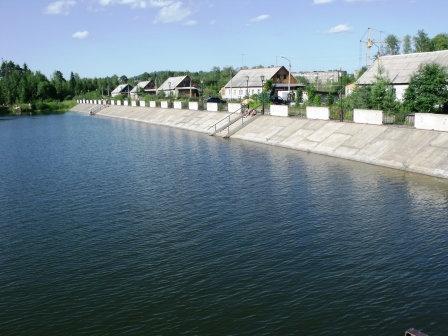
(117, 227)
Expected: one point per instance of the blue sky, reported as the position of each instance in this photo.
(105, 37)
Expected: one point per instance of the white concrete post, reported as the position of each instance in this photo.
(279, 110)
(142, 103)
(152, 103)
(372, 117)
(193, 106)
(112, 102)
(119, 102)
(212, 107)
(164, 104)
(177, 105)
(430, 121)
(126, 102)
(321, 113)
(134, 103)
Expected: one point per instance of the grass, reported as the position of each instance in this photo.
(38, 107)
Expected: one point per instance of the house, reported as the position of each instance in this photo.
(179, 86)
(148, 87)
(399, 69)
(248, 82)
(122, 89)
(321, 77)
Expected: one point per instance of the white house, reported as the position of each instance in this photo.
(399, 69)
(122, 89)
(179, 86)
(248, 82)
(146, 87)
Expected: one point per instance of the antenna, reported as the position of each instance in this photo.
(372, 38)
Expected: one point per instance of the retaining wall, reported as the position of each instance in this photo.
(409, 149)
(419, 151)
(198, 121)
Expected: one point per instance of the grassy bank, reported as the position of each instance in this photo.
(38, 108)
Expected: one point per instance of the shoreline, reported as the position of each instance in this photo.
(406, 149)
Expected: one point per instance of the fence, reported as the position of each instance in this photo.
(336, 113)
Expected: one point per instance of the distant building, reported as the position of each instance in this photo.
(148, 87)
(122, 89)
(321, 77)
(179, 86)
(248, 82)
(399, 69)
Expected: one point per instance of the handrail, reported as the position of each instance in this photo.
(226, 117)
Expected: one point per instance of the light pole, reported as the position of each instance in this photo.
(262, 93)
(289, 75)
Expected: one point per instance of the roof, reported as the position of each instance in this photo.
(140, 85)
(120, 88)
(171, 83)
(240, 79)
(399, 69)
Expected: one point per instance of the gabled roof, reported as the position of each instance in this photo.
(140, 85)
(171, 83)
(240, 79)
(120, 88)
(399, 69)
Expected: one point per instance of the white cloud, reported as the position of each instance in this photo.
(137, 3)
(340, 28)
(174, 12)
(260, 18)
(322, 2)
(60, 7)
(191, 23)
(81, 35)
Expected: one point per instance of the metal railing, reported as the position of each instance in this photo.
(227, 118)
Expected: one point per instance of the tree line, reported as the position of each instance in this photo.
(20, 85)
(420, 42)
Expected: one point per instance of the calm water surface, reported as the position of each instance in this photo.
(112, 227)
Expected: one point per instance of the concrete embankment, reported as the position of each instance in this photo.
(408, 149)
(198, 121)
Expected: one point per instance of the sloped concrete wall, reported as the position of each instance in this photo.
(409, 149)
(419, 151)
(198, 121)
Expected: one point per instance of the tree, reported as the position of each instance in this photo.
(427, 91)
(382, 96)
(407, 44)
(123, 80)
(422, 42)
(440, 42)
(392, 45)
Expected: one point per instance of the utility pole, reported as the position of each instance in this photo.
(289, 75)
(242, 60)
(340, 95)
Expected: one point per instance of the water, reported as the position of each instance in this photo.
(112, 227)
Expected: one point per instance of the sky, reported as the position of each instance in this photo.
(105, 37)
